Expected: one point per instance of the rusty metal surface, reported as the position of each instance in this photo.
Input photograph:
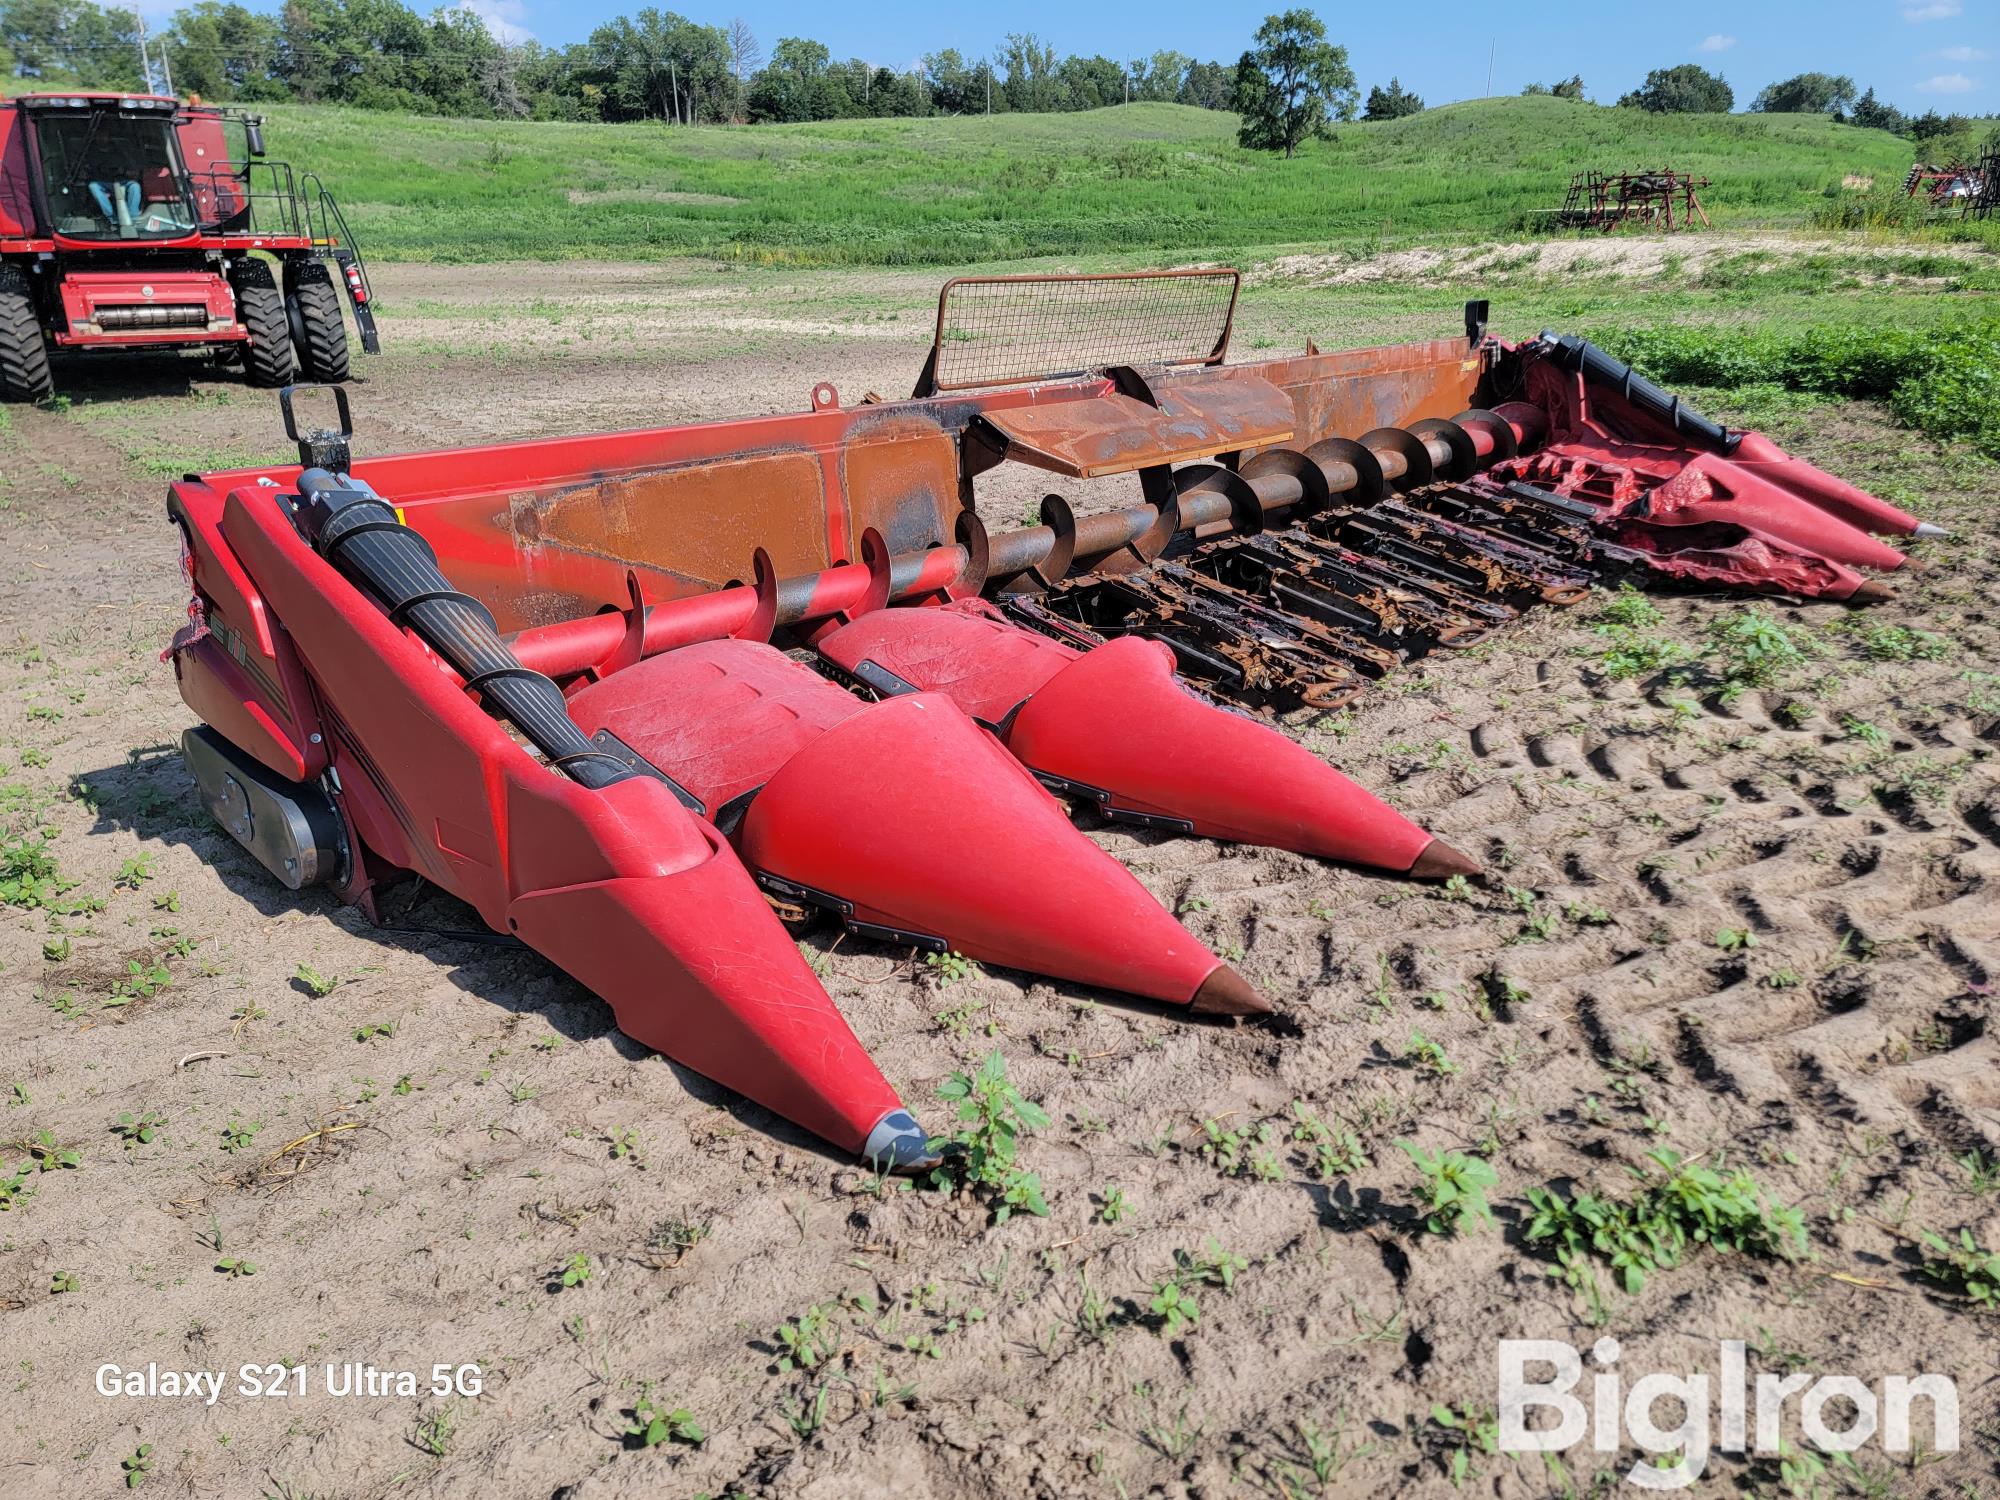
(1116, 433)
(546, 530)
(1352, 391)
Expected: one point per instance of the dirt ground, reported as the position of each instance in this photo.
(1763, 931)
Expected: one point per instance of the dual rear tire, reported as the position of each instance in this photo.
(318, 332)
(296, 334)
(268, 359)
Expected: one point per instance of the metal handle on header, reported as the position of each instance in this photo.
(320, 447)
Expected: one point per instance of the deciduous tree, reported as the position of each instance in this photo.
(1292, 83)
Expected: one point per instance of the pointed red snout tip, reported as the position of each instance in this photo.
(1440, 861)
(1869, 591)
(1228, 993)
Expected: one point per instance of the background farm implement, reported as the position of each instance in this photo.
(629, 694)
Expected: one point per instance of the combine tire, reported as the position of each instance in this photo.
(318, 331)
(24, 357)
(267, 359)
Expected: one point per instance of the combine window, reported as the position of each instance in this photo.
(109, 175)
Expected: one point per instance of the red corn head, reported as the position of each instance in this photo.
(1117, 725)
(902, 816)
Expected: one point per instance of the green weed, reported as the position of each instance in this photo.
(981, 1155)
(1676, 1204)
(655, 1422)
(314, 983)
(1451, 1189)
(139, 1129)
(1965, 1267)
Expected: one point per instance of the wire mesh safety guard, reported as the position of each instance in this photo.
(1006, 330)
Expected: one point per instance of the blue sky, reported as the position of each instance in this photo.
(1917, 53)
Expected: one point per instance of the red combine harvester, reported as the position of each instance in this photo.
(136, 221)
(645, 699)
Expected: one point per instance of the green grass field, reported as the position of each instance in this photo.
(1147, 180)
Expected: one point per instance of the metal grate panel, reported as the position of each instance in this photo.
(1006, 330)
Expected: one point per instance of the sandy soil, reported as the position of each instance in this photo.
(1621, 257)
(411, 1199)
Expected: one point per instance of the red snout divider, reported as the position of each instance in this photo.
(1117, 722)
(909, 814)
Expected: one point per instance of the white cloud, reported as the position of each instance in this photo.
(1946, 83)
(1717, 43)
(1961, 54)
(502, 17)
(1931, 10)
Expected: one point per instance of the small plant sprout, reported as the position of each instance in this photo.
(1753, 650)
(137, 1467)
(1336, 1150)
(234, 1266)
(62, 1282)
(806, 1417)
(142, 981)
(238, 1134)
(1214, 1265)
(1451, 1189)
(314, 983)
(1735, 939)
(49, 1155)
(575, 1271)
(1174, 1306)
(374, 1031)
(1112, 1206)
(949, 968)
(437, 1429)
(1240, 1153)
(1427, 1056)
(655, 1422)
(810, 1339)
(134, 873)
(139, 1129)
(1456, 1437)
(1982, 1171)
(1966, 1267)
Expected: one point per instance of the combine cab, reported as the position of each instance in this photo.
(640, 698)
(136, 221)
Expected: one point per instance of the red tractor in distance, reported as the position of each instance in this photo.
(138, 221)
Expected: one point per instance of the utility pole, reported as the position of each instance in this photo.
(1491, 49)
(165, 66)
(145, 62)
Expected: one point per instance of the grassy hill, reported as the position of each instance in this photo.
(1144, 178)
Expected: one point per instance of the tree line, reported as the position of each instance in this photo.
(655, 64)
(1692, 89)
(1291, 84)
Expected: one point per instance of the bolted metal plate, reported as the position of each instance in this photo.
(291, 828)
